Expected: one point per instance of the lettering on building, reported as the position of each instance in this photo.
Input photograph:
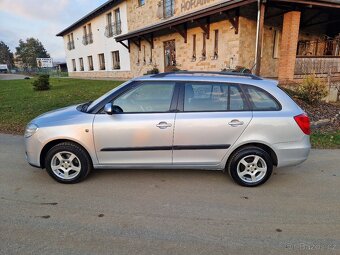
(187, 5)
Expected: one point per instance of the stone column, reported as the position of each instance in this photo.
(289, 42)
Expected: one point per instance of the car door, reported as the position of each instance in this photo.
(143, 132)
(211, 118)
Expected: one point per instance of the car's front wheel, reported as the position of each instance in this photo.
(250, 166)
(68, 163)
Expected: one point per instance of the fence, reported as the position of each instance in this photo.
(320, 65)
(53, 71)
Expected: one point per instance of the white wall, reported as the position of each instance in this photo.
(101, 44)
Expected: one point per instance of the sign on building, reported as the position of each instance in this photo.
(44, 62)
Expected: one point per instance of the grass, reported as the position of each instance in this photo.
(323, 140)
(19, 103)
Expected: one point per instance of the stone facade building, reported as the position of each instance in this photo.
(281, 39)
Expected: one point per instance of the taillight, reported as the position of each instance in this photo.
(303, 121)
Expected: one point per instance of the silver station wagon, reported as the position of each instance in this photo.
(234, 122)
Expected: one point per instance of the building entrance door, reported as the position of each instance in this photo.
(169, 55)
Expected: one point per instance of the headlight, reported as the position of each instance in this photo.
(30, 130)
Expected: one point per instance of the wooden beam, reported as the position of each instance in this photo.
(234, 19)
(205, 27)
(259, 38)
(137, 43)
(305, 22)
(126, 46)
(275, 15)
(149, 40)
(325, 22)
(183, 32)
(311, 3)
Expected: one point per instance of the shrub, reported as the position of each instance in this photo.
(237, 69)
(42, 83)
(312, 89)
(152, 71)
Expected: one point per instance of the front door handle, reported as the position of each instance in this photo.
(235, 123)
(163, 125)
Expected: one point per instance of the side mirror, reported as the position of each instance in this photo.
(108, 108)
(112, 109)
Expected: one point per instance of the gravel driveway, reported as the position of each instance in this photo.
(168, 211)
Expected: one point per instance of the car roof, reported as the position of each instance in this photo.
(199, 76)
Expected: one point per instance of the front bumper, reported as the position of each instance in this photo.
(32, 151)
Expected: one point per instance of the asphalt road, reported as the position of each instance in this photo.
(168, 212)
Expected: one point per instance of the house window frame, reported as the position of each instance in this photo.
(216, 38)
(204, 46)
(194, 53)
(90, 62)
(101, 58)
(74, 65)
(117, 21)
(168, 13)
(141, 3)
(115, 60)
(81, 64)
(276, 46)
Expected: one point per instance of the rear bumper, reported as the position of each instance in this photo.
(292, 153)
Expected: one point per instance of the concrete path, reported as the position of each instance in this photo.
(9, 76)
(168, 212)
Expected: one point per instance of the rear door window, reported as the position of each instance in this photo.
(200, 97)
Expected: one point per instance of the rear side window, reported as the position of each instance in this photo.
(200, 97)
(261, 100)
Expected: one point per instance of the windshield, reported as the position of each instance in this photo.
(95, 102)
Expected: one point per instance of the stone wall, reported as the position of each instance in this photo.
(228, 51)
(121, 75)
(151, 12)
(269, 64)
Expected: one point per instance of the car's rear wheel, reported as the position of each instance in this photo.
(250, 166)
(68, 163)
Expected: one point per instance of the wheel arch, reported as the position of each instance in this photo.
(263, 146)
(52, 143)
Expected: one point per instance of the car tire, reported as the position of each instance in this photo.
(250, 166)
(68, 163)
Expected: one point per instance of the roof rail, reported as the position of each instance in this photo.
(208, 72)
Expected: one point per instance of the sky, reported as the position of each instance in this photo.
(41, 19)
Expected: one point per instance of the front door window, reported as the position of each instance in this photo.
(147, 97)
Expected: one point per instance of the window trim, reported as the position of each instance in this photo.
(182, 97)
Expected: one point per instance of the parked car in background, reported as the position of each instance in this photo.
(234, 122)
(4, 68)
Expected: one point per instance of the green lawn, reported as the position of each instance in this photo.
(329, 140)
(19, 103)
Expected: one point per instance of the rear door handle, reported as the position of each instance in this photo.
(163, 125)
(235, 123)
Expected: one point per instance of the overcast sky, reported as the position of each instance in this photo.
(41, 19)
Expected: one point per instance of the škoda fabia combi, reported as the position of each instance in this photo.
(237, 123)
